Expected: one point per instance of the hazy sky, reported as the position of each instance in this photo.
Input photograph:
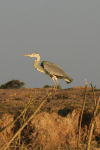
(65, 32)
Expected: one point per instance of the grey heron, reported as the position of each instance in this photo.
(50, 69)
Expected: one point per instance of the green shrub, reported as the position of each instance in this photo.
(13, 84)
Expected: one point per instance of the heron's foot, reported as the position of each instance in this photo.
(55, 86)
(59, 86)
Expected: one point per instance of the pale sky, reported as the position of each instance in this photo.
(65, 32)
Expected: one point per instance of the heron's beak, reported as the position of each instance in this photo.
(30, 55)
(27, 55)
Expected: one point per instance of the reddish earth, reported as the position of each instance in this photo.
(55, 126)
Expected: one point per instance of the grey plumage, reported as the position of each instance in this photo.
(50, 69)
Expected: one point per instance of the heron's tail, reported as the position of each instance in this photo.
(68, 82)
(68, 79)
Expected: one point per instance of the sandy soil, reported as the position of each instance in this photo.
(56, 125)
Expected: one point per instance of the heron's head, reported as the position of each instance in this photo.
(32, 55)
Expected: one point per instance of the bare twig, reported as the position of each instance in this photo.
(5, 128)
(81, 116)
(92, 125)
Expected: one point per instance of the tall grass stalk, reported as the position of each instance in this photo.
(7, 145)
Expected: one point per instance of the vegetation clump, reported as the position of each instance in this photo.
(13, 84)
(49, 86)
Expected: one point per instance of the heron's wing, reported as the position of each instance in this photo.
(53, 69)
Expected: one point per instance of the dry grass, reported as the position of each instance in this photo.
(23, 133)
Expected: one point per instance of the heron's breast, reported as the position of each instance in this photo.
(41, 70)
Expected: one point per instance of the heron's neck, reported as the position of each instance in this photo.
(36, 62)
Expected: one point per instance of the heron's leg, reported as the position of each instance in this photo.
(57, 81)
(58, 84)
(54, 83)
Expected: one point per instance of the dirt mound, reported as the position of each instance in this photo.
(4, 121)
(53, 130)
